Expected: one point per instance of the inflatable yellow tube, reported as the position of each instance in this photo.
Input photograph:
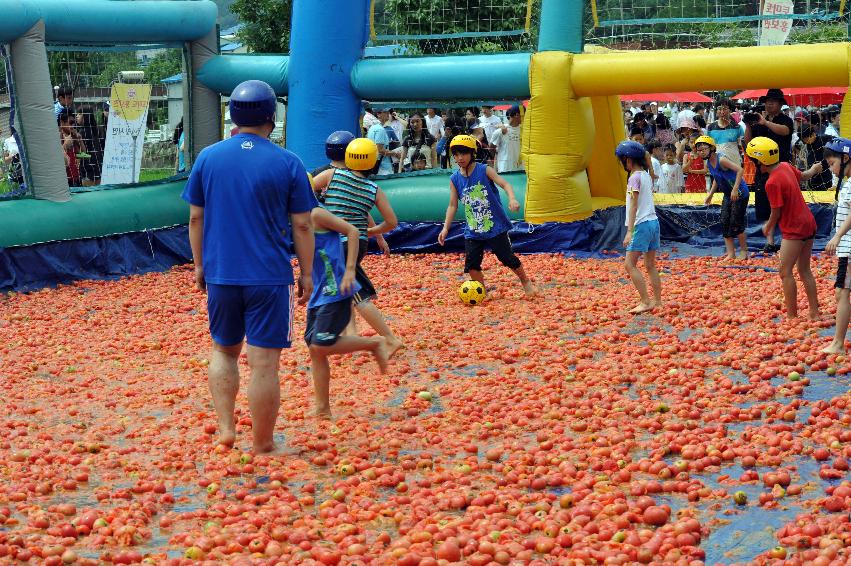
(668, 70)
(558, 137)
(606, 176)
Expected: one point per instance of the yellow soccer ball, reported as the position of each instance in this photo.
(472, 292)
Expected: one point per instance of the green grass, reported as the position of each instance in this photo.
(148, 175)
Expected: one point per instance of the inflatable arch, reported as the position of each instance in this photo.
(569, 132)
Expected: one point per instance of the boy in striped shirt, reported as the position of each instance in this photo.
(351, 196)
(837, 152)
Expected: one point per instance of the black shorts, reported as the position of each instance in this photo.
(326, 322)
(500, 245)
(367, 290)
(733, 214)
(762, 207)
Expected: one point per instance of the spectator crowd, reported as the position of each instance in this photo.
(417, 141)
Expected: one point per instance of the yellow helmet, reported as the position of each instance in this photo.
(361, 154)
(764, 150)
(464, 141)
(705, 139)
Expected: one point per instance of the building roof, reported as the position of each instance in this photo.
(178, 78)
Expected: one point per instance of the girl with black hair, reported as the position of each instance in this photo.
(90, 167)
(418, 140)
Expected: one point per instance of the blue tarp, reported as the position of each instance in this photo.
(685, 230)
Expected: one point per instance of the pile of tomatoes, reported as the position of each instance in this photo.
(557, 430)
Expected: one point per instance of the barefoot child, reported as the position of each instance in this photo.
(330, 306)
(351, 196)
(797, 224)
(642, 226)
(487, 225)
(727, 177)
(837, 152)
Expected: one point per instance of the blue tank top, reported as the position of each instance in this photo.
(484, 215)
(329, 267)
(725, 178)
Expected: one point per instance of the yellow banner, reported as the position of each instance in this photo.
(130, 101)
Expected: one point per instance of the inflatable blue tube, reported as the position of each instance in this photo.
(224, 72)
(108, 21)
(561, 26)
(501, 76)
(17, 17)
(327, 39)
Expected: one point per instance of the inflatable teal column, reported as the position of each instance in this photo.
(327, 39)
(561, 26)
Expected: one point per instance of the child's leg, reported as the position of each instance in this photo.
(653, 275)
(843, 314)
(790, 250)
(730, 247)
(743, 245)
(504, 252)
(321, 369)
(474, 253)
(375, 318)
(808, 279)
(638, 282)
(476, 275)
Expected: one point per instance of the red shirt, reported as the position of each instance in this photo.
(784, 191)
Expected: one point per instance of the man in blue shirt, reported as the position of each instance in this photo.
(378, 134)
(247, 198)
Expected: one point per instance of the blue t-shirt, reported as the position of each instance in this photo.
(329, 267)
(484, 215)
(725, 178)
(248, 187)
(378, 134)
(731, 134)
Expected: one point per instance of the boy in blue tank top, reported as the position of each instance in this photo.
(330, 306)
(486, 223)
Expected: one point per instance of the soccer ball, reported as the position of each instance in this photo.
(472, 292)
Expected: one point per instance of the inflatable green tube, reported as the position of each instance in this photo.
(420, 197)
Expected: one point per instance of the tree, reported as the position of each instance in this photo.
(265, 24)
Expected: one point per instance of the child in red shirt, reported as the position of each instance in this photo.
(797, 224)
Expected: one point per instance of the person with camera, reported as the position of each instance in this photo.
(773, 124)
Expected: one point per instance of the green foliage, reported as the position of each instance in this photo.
(88, 69)
(266, 24)
(442, 17)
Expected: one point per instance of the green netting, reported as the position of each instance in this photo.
(649, 24)
(91, 74)
(11, 166)
(428, 27)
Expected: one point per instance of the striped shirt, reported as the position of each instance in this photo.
(351, 198)
(843, 207)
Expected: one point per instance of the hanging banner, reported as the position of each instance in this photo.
(125, 133)
(775, 32)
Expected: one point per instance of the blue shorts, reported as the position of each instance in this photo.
(645, 238)
(325, 323)
(261, 313)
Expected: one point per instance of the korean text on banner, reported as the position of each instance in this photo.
(125, 133)
(775, 32)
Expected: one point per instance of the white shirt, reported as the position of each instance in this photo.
(843, 207)
(507, 149)
(660, 179)
(398, 128)
(369, 121)
(10, 146)
(673, 174)
(490, 124)
(435, 126)
(640, 183)
(830, 130)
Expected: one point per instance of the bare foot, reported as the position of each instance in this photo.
(730, 257)
(834, 348)
(393, 345)
(815, 315)
(530, 289)
(228, 435)
(642, 308)
(323, 413)
(743, 254)
(382, 355)
(272, 449)
(656, 304)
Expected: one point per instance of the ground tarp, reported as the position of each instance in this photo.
(685, 230)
